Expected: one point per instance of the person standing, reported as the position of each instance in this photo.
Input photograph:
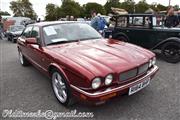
(1, 27)
(101, 23)
(94, 21)
(171, 19)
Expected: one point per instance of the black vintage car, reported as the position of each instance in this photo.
(147, 31)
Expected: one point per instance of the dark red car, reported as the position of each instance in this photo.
(82, 64)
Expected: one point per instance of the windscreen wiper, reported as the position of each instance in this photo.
(90, 38)
(59, 42)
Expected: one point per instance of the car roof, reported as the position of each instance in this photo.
(53, 22)
(16, 26)
(136, 15)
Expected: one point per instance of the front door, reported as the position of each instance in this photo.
(142, 36)
(37, 52)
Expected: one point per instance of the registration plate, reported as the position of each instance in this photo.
(139, 86)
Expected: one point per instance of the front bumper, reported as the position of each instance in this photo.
(111, 92)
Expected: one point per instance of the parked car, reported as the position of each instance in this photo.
(19, 20)
(82, 64)
(147, 31)
(81, 19)
(14, 32)
(107, 18)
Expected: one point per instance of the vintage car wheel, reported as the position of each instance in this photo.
(122, 38)
(171, 52)
(61, 89)
(22, 59)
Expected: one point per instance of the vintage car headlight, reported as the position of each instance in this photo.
(96, 83)
(108, 79)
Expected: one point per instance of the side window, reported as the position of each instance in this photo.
(27, 32)
(35, 32)
(139, 22)
(122, 22)
(136, 21)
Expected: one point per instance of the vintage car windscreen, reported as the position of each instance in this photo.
(69, 32)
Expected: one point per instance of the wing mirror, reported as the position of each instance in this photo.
(31, 41)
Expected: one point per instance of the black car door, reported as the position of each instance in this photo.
(140, 32)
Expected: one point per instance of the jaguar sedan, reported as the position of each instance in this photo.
(82, 65)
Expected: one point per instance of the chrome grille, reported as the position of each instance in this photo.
(134, 72)
(128, 74)
(143, 68)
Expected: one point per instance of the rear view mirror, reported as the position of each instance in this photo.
(31, 41)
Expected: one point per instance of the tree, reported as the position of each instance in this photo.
(70, 7)
(158, 7)
(51, 12)
(115, 1)
(142, 6)
(162, 7)
(23, 8)
(111, 3)
(4, 13)
(176, 7)
(89, 7)
(128, 5)
(154, 7)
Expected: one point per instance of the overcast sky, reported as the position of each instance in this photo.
(39, 5)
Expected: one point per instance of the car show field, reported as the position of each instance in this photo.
(89, 60)
(27, 89)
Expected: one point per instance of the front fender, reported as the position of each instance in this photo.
(70, 76)
(55, 65)
(120, 34)
(171, 39)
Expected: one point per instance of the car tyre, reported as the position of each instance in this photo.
(122, 38)
(8, 39)
(61, 89)
(13, 40)
(171, 52)
(22, 59)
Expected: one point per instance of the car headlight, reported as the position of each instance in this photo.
(96, 83)
(108, 79)
(152, 62)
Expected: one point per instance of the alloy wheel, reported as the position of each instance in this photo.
(59, 87)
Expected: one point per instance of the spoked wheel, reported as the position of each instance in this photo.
(122, 38)
(61, 89)
(22, 59)
(171, 52)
